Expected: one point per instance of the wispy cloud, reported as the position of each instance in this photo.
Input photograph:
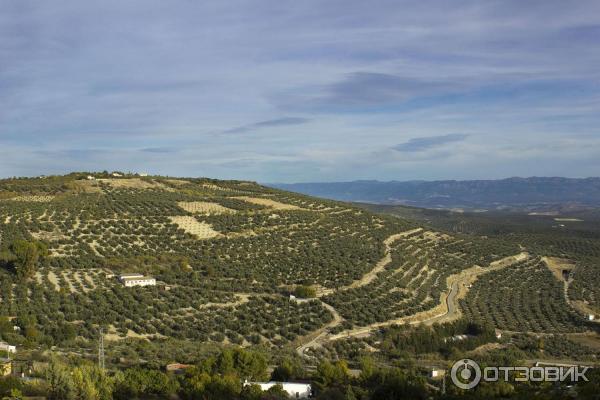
(159, 150)
(287, 121)
(429, 142)
(363, 90)
(149, 86)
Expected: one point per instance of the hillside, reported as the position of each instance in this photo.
(573, 237)
(524, 194)
(226, 256)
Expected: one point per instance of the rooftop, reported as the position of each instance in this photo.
(135, 278)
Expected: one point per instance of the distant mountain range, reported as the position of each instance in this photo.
(523, 194)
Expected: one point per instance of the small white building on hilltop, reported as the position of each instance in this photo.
(135, 279)
(294, 389)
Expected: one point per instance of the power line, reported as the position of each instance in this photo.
(101, 350)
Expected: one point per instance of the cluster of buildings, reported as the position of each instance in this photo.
(115, 175)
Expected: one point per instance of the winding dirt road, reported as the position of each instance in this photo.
(379, 266)
(447, 310)
(316, 338)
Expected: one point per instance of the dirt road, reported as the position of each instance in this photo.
(447, 310)
(316, 338)
(379, 266)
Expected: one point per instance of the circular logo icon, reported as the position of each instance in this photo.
(465, 374)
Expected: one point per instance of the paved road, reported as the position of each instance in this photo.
(451, 304)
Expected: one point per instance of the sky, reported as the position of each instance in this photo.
(297, 91)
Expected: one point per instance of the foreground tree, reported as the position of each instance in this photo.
(60, 382)
(27, 256)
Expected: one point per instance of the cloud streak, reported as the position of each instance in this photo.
(429, 142)
(271, 123)
(364, 91)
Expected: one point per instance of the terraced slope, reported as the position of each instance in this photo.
(226, 255)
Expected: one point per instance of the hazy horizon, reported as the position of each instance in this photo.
(137, 172)
(301, 92)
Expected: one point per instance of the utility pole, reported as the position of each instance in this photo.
(444, 384)
(101, 350)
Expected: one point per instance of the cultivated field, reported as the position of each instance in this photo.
(273, 204)
(204, 207)
(33, 198)
(227, 254)
(192, 226)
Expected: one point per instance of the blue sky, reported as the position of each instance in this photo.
(290, 91)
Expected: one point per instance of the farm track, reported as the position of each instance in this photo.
(577, 306)
(379, 266)
(447, 310)
(315, 338)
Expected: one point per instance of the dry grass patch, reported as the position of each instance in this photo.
(275, 205)
(215, 187)
(178, 182)
(48, 236)
(201, 230)
(112, 335)
(54, 280)
(134, 183)
(436, 236)
(85, 186)
(204, 207)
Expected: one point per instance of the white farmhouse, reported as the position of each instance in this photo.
(294, 390)
(135, 279)
(8, 347)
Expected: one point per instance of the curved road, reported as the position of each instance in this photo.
(319, 334)
(450, 306)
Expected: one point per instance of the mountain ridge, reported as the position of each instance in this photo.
(528, 194)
